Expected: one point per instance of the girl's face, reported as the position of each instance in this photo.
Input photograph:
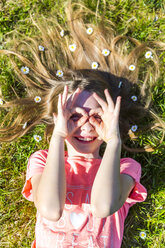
(84, 141)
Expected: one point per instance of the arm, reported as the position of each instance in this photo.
(49, 188)
(110, 188)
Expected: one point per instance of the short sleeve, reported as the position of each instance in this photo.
(36, 164)
(132, 168)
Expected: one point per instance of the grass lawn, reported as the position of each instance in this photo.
(143, 20)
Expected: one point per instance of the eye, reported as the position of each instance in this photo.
(75, 117)
(98, 118)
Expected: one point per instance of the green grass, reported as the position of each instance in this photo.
(17, 215)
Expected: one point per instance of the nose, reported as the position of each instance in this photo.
(87, 126)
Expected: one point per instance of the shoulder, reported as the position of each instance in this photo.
(40, 154)
(37, 159)
(130, 167)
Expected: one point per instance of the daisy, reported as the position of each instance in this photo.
(148, 54)
(25, 69)
(41, 48)
(120, 84)
(134, 98)
(62, 33)
(59, 73)
(37, 137)
(1, 101)
(105, 52)
(134, 128)
(37, 99)
(72, 47)
(132, 67)
(142, 235)
(24, 125)
(89, 30)
(95, 65)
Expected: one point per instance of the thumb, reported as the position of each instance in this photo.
(95, 123)
(54, 118)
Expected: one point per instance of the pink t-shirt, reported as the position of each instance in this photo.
(77, 227)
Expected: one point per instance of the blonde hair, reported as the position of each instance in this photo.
(43, 81)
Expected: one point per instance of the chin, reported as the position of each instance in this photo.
(90, 148)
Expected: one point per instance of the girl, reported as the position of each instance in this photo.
(86, 87)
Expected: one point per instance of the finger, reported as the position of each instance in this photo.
(55, 118)
(117, 107)
(81, 121)
(109, 99)
(102, 103)
(59, 103)
(79, 111)
(95, 123)
(98, 111)
(73, 98)
(64, 95)
(75, 125)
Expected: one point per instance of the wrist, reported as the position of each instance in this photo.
(58, 134)
(115, 140)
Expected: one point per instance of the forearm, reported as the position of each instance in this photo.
(106, 190)
(51, 191)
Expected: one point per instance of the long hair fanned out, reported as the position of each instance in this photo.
(58, 55)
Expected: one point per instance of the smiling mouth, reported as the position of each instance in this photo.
(85, 139)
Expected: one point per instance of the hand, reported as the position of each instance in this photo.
(108, 126)
(64, 124)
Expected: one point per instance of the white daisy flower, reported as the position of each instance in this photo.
(59, 73)
(62, 33)
(134, 128)
(120, 84)
(132, 67)
(89, 30)
(37, 137)
(1, 101)
(148, 54)
(134, 98)
(105, 52)
(95, 65)
(72, 47)
(143, 235)
(24, 125)
(25, 69)
(37, 99)
(41, 48)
